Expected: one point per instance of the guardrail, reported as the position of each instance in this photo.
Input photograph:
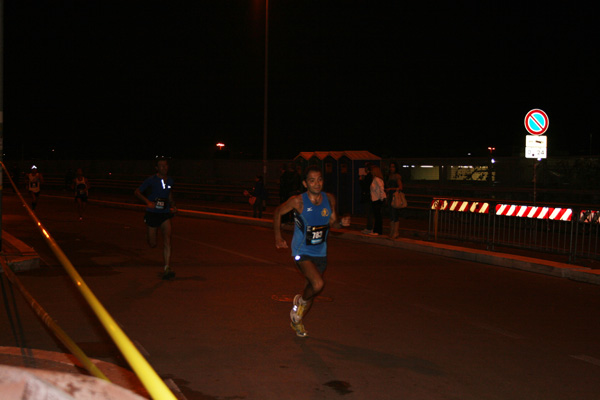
(572, 231)
(201, 191)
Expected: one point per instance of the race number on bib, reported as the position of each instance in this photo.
(316, 234)
(161, 203)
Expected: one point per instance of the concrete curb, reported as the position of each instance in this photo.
(18, 255)
(535, 265)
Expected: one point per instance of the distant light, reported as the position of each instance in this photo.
(493, 161)
(220, 145)
(426, 166)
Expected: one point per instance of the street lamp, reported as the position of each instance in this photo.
(266, 104)
(220, 145)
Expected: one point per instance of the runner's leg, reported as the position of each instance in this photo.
(314, 282)
(151, 236)
(165, 228)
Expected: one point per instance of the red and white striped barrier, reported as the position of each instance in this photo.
(460, 206)
(556, 214)
(589, 216)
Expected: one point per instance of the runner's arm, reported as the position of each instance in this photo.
(293, 203)
(144, 199)
(333, 219)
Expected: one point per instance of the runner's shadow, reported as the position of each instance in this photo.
(372, 357)
(149, 291)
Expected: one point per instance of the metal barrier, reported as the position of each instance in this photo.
(556, 230)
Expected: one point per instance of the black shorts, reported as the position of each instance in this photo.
(83, 197)
(154, 219)
(320, 262)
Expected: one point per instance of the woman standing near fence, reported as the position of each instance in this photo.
(393, 184)
(377, 198)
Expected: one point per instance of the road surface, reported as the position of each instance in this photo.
(391, 324)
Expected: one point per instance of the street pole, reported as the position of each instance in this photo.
(1, 110)
(266, 104)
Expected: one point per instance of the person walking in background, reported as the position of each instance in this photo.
(156, 193)
(377, 198)
(259, 194)
(81, 186)
(365, 197)
(393, 183)
(315, 213)
(34, 185)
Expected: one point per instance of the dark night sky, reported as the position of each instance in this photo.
(133, 79)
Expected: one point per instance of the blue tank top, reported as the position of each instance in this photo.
(160, 190)
(311, 228)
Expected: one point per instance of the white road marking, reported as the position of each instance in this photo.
(222, 249)
(497, 330)
(141, 348)
(175, 389)
(588, 359)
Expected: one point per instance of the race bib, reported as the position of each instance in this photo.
(161, 203)
(316, 234)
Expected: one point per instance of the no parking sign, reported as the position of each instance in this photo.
(536, 122)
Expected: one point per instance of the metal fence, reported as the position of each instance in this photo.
(574, 232)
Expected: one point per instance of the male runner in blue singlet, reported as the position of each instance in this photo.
(160, 208)
(314, 213)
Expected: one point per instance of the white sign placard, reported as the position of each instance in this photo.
(536, 152)
(536, 141)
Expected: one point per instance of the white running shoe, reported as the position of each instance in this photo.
(297, 310)
(299, 328)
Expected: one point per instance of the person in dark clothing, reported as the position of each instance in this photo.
(365, 197)
(259, 193)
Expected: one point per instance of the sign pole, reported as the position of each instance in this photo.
(536, 145)
(535, 164)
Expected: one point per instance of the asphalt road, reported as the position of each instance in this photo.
(391, 324)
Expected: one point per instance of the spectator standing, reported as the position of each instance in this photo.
(377, 199)
(365, 197)
(260, 194)
(393, 184)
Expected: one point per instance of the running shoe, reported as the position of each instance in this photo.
(366, 231)
(297, 310)
(168, 274)
(299, 328)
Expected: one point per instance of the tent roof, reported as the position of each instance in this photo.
(351, 154)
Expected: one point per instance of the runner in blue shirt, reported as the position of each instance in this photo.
(155, 192)
(314, 213)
